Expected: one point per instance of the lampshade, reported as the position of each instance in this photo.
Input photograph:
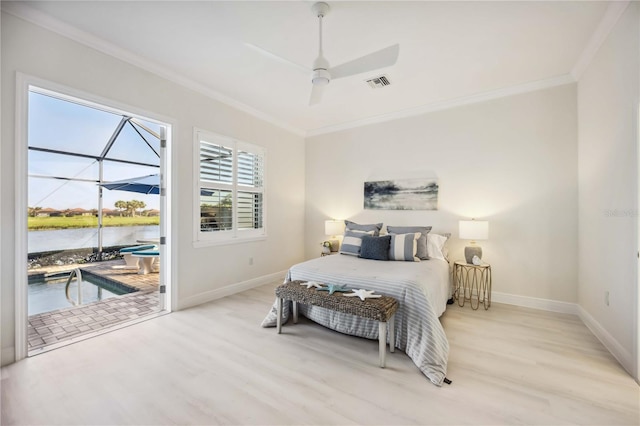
(333, 227)
(474, 230)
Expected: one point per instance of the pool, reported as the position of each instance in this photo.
(47, 292)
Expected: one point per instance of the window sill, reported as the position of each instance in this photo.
(225, 242)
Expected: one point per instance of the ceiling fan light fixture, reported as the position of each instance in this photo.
(320, 77)
(322, 72)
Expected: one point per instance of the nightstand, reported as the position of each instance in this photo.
(472, 283)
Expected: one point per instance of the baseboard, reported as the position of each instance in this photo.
(535, 303)
(7, 356)
(218, 293)
(623, 356)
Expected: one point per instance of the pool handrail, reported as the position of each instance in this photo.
(78, 274)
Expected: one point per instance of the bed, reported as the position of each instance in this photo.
(422, 288)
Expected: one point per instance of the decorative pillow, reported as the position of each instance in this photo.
(404, 247)
(352, 242)
(422, 241)
(376, 248)
(352, 226)
(435, 246)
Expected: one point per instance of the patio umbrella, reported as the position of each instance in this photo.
(144, 184)
(149, 184)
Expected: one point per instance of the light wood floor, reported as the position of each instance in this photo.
(213, 364)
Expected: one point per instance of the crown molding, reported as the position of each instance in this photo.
(448, 104)
(607, 23)
(43, 20)
(609, 20)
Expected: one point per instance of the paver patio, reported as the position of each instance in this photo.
(49, 328)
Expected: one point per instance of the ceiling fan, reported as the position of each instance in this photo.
(322, 73)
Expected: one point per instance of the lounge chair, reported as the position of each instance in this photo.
(131, 261)
(148, 257)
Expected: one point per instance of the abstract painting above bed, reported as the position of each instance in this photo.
(422, 288)
(401, 194)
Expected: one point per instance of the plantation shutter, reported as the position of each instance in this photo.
(216, 163)
(231, 177)
(250, 189)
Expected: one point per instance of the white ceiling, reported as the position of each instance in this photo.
(448, 50)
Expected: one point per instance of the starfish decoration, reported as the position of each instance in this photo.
(364, 294)
(331, 288)
(310, 284)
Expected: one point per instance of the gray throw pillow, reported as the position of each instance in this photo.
(422, 241)
(403, 247)
(352, 226)
(376, 248)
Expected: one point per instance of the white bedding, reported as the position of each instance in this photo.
(422, 288)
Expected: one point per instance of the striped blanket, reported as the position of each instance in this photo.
(422, 288)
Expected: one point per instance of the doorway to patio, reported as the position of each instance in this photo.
(95, 236)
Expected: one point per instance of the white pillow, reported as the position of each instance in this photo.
(435, 245)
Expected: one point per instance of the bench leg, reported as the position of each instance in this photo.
(295, 312)
(279, 315)
(382, 341)
(392, 333)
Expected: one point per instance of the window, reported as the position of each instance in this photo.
(230, 188)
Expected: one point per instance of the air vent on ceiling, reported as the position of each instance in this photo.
(379, 81)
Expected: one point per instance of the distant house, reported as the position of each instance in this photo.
(78, 212)
(152, 212)
(48, 212)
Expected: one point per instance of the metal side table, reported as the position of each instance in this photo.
(472, 283)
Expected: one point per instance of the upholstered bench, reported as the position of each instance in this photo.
(380, 309)
(147, 257)
(129, 259)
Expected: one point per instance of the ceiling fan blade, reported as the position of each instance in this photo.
(380, 59)
(276, 57)
(316, 94)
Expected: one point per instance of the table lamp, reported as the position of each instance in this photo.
(473, 230)
(333, 228)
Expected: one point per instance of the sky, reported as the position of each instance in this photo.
(62, 125)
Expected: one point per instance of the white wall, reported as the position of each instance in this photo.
(608, 96)
(35, 51)
(512, 161)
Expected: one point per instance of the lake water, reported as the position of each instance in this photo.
(63, 239)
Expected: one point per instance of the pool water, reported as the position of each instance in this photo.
(48, 294)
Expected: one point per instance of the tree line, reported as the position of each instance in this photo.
(130, 208)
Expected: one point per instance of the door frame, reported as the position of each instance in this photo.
(24, 83)
(637, 225)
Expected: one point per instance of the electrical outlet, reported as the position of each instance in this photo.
(606, 298)
(251, 261)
